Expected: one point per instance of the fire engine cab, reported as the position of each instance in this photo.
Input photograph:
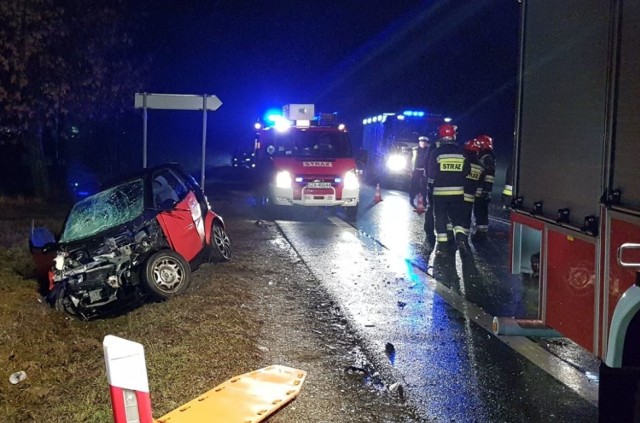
(305, 159)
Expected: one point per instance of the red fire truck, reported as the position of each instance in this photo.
(576, 196)
(305, 159)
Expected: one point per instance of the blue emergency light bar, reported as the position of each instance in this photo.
(416, 113)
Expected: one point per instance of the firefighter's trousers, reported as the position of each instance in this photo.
(449, 209)
(481, 213)
(429, 226)
(468, 211)
(418, 185)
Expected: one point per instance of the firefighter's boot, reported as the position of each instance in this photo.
(463, 248)
(451, 242)
(442, 249)
(479, 236)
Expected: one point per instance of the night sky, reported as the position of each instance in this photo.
(354, 57)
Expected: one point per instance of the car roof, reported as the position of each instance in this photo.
(142, 173)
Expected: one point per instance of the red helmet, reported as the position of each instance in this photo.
(472, 146)
(447, 131)
(486, 142)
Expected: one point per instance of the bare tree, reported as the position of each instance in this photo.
(64, 61)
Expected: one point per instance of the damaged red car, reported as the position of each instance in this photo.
(138, 239)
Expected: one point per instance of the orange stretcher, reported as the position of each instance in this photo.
(248, 398)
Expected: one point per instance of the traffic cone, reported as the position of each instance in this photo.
(377, 197)
(420, 207)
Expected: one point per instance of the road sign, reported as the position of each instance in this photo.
(147, 101)
(176, 101)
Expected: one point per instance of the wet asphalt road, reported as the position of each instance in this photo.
(427, 323)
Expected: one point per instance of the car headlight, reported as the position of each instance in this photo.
(396, 162)
(283, 179)
(351, 180)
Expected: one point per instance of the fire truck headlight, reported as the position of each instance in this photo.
(351, 180)
(396, 162)
(283, 179)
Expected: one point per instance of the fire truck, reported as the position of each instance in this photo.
(576, 198)
(390, 139)
(304, 159)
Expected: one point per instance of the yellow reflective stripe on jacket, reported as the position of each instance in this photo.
(489, 178)
(469, 197)
(450, 162)
(476, 171)
(448, 191)
(508, 190)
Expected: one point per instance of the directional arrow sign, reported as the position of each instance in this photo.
(147, 101)
(176, 101)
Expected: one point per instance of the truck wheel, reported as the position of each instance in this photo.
(220, 244)
(631, 352)
(351, 212)
(166, 274)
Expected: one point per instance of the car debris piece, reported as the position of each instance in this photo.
(17, 377)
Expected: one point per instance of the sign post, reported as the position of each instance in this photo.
(147, 101)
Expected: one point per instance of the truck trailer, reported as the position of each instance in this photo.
(576, 199)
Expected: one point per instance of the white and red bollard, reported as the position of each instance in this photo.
(128, 382)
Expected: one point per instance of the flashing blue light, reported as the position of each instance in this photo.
(298, 179)
(413, 113)
(272, 115)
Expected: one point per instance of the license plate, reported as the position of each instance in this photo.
(319, 185)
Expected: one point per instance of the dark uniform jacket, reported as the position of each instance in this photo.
(472, 180)
(488, 161)
(421, 158)
(447, 170)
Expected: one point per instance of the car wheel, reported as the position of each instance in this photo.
(166, 274)
(220, 244)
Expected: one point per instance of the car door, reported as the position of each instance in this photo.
(181, 215)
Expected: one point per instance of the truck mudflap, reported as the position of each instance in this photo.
(619, 394)
(251, 397)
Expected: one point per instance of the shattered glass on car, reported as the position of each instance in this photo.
(104, 210)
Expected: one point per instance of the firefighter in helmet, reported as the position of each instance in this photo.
(471, 149)
(446, 175)
(483, 194)
(429, 222)
(418, 183)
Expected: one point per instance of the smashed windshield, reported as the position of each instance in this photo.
(316, 144)
(104, 210)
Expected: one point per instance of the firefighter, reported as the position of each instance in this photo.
(446, 175)
(507, 192)
(418, 177)
(483, 194)
(471, 149)
(429, 225)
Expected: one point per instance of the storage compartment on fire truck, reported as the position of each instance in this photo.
(576, 190)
